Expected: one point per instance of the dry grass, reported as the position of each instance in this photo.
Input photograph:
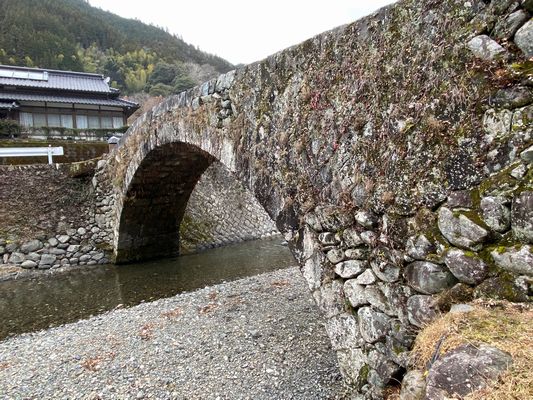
(207, 309)
(146, 332)
(93, 363)
(173, 313)
(280, 284)
(504, 325)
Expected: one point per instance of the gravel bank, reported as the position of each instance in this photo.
(256, 338)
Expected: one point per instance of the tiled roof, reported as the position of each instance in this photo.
(13, 96)
(8, 105)
(51, 79)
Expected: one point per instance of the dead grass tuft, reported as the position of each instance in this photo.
(280, 284)
(146, 332)
(93, 363)
(173, 313)
(507, 326)
(207, 309)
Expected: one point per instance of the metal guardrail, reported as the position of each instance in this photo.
(32, 152)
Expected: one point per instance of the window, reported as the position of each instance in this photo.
(66, 121)
(26, 119)
(94, 122)
(118, 122)
(81, 122)
(54, 120)
(107, 122)
(39, 120)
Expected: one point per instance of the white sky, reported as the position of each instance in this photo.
(243, 31)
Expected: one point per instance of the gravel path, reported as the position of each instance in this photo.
(256, 338)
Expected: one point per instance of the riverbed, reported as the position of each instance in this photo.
(48, 300)
(260, 337)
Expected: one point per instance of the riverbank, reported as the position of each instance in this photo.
(255, 338)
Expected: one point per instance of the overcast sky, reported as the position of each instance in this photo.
(243, 31)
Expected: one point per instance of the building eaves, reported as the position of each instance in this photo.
(14, 96)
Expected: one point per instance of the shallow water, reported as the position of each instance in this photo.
(32, 304)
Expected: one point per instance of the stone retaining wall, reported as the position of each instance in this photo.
(52, 218)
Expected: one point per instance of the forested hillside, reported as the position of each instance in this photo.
(72, 35)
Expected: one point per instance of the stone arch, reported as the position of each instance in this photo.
(157, 166)
(156, 200)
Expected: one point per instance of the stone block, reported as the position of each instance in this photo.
(28, 264)
(460, 230)
(343, 331)
(413, 386)
(522, 216)
(419, 247)
(496, 213)
(47, 259)
(524, 39)
(31, 246)
(422, 310)
(374, 325)
(428, 278)
(355, 293)
(518, 261)
(17, 258)
(485, 48)
(351, 237)
(351, 268)
(507, 27)
(467, 267)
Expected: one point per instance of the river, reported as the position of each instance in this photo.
(38, 303)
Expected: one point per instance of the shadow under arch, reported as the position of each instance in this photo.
(155, 201)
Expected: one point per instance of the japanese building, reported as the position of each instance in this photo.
(61, 101)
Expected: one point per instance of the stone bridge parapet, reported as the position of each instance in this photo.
(394, 155)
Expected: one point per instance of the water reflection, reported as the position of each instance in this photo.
(27, 305)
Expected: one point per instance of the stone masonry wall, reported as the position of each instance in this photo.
(221, 211)
(394, 155)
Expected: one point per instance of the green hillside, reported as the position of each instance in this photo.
(72, 35)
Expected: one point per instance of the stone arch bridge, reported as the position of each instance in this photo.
(393, 154)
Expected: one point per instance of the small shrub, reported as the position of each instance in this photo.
(9, 128)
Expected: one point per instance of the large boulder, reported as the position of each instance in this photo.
(464, 370)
